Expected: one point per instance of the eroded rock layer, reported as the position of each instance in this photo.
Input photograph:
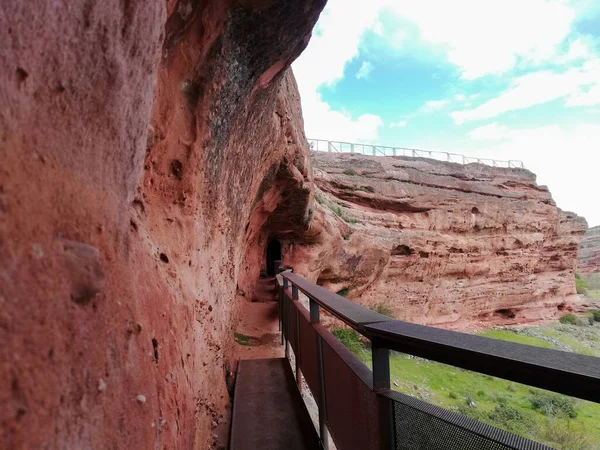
(144, 148)
(440, 243)
(589, 251)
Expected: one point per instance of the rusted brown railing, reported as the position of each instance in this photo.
(360, 410)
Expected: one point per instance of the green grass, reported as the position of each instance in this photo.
(589, 348)
(594, 294)
(511, 336)
(559, 421)
(581, 285)
(337, 209)
(351, 340)
(247, 341)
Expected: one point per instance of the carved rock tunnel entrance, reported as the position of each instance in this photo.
(273, 254)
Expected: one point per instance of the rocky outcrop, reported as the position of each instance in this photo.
(145, 147)
(589, 251)
(439, 243)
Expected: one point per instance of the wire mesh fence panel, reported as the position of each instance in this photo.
(352, 407)
(419, 425)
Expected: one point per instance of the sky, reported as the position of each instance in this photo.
(510, 79)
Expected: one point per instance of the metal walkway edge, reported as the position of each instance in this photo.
(268, 410)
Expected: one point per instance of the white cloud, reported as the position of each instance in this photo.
(490, 132)
(579, 49)
(399, 124)
(579, 86)
(565, 158)
(365, 70)
(434, 105)
(322, 122)
(483, 37)
(335, 43)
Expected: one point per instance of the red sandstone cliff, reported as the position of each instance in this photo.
(143, 148)
(440, 243)
(589, 251)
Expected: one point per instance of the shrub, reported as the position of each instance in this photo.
(480, 394)
(350, 339)
(564, 435)
(596, 315)
(501, 399)
(453, 395)
(337, 210)
(551, 404)
(318, 198)
(471, 412)
(349, 171)
(568, 318)
(581, 286)
(511, 418)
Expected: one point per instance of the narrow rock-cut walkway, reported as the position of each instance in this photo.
(257, 334)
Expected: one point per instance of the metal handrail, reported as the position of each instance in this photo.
(558, 371)
(324, 145)
(563, 372)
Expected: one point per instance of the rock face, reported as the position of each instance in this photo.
(145, 147)
(439, 243)
(589, 251)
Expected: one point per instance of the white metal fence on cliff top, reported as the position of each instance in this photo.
(322, 145)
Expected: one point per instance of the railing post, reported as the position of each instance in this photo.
(381, 366)
(286, 316)
(314, 311)
(380, 356)
(280, 293)
(295, 296)
(323, 432)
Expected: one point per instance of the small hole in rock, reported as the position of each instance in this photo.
(164, 258)
(155, 347)
(507, 313)
(474, 210)
(402, 250)
(21, 74)
(177, 169)
(133, 226)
